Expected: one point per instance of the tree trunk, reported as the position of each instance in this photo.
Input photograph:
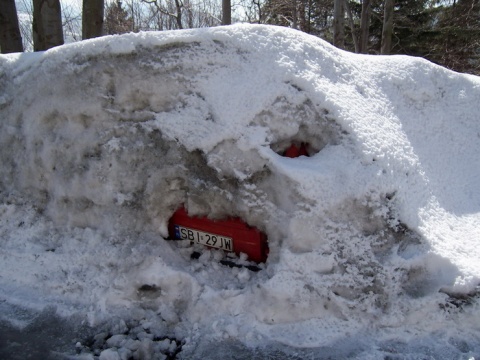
(295, 15)
(352, 28)
(387, 30)
(178, 18)
(226, 12)
(92, 18)
(364, 26)
(339, 24)
(47, 24)
(10, 38)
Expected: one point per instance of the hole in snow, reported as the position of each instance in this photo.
(308, 141)
(148, 288)
(296, 150)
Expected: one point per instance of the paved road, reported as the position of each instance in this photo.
(45, 337)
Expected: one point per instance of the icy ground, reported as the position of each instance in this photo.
(373, 238)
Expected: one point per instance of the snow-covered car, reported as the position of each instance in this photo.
(372, 238)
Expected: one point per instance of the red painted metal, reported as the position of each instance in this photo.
(295, 151)
(246, 239)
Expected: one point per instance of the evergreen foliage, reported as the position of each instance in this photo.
(117, 20)
(445, 33)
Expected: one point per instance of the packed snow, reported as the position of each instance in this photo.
(374, 238)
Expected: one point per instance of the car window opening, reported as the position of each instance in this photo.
(296, 150)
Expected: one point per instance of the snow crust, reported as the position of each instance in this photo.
(373, 238)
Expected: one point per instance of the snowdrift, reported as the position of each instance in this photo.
(101, 141)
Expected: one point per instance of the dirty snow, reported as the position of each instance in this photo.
(373, 238)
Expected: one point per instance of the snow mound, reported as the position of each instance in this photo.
(101, 141)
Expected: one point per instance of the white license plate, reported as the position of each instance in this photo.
(204, 238)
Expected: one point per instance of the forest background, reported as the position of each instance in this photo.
(446, 32)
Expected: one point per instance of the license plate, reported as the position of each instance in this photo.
(204, 238)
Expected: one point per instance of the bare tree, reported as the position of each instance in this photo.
(281, 12)
(173, 12)
(25, 18)
(92, 20)
(72, 22)
(387, 30)
(207, 13)
(47, 24)
(364, 26)
(253, 11)
(339, 23)
(177, 14)
(138, 13)
(10, 38)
